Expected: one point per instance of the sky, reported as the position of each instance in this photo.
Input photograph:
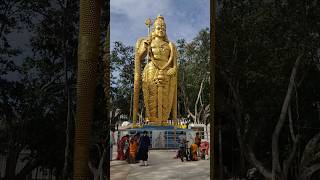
(184, 18)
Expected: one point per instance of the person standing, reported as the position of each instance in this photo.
(121, 148)
(198, 142)
(182, 146)
(193, 152)
(144, 144)
(133, 150)
(112, 142)
(194, 148)
(137, 137)
(197, 139)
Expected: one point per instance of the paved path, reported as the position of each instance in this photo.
(119, 170)
(162, 166)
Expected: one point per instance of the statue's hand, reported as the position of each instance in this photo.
(171, 71)
(143, 46)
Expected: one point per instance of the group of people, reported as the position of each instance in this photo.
(134, 148)
(192, 154)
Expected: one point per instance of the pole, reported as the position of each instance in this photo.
(148, 24)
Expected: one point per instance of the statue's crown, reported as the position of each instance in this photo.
(159, 21)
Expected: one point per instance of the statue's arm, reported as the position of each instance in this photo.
(176, 56)
(173, 59)
(140, 53)
(141, 48)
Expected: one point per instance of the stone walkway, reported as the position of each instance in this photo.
(162, 166)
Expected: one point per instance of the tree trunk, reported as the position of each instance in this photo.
(102, 165)
(306, 166)
(66, 166)
(29, 167)
(276, 169)
(287, 163)
(213, 6)
(106, 80)
(221, 174)
(246, 150)
(99, 172)
(206, 114)
(36, 176)
(93, 170)
(249, 154)
(196, 113)
(88, 53)
(308, 172)
(11, 161)
(106, 62)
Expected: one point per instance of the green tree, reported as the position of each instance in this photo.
(266, 53)
(39, 111)
(122, 67)
(193, 77)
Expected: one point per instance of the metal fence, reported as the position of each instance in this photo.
(165, 139)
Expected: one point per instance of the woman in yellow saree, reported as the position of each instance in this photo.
(193, 149)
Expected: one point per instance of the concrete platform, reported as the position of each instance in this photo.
(162, 166)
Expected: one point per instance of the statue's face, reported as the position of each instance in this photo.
(160, 30)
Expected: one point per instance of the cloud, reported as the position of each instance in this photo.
(184, 18)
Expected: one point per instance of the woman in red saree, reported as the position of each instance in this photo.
(121, 145)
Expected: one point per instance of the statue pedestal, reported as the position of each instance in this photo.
(163, 137)
(158, 127)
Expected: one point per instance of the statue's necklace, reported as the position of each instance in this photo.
(162, 48)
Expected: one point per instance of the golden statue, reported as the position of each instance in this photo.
(159, 78)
